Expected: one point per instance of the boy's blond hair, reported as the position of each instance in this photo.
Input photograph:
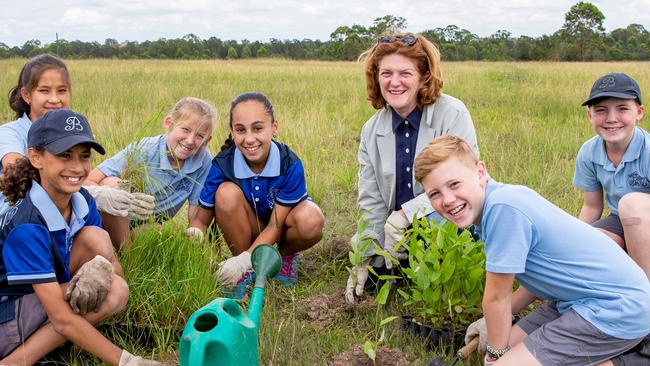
(440, 149)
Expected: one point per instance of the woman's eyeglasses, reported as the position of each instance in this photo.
(408, 40)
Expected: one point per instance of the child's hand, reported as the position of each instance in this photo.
(142, 207)
(194, 231)
(112, 201)
(90, 285)
(127, 359)
(231, 270)
(477, 329)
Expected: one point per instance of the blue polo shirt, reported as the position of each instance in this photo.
(281, 181)
(595, 171)
(13, 139)
(171, 188)
(406, 138)
(559, 258)
(35, 240)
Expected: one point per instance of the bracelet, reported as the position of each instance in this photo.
(495, 353)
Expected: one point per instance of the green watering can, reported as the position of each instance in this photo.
(220, 333)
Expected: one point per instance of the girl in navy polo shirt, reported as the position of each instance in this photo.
(256, 191)
(58, 273)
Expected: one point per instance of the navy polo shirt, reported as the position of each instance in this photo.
(35, 240)
(281, 181)
(406, 138)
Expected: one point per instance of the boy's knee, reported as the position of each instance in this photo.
(310, 224)
(228, 196)
(634, 205)
(117, 298)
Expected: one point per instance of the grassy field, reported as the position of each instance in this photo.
(530, 126)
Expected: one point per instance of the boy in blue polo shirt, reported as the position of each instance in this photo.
(617, 161)
(598, 299)
(256, 191)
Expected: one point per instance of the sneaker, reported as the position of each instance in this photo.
(288, 274)
(239, 290)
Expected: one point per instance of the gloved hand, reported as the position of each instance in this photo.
(478, 329)
(231, 270)
(90, 285)
(194, 231)
(357, 281)
(142, 207)
(113, 201)
(394, 230)
(127, 359)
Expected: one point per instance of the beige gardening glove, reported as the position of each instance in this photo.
(142, 207)
(478, 329)
(194, 231)
(90, 285)
(394, 230)
(127, 359)
(232, 269)
(357, 281)
(112, 201)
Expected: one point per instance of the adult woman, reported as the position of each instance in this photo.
(404, 83)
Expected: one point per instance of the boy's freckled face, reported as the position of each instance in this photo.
(614, 119)
(457, 191)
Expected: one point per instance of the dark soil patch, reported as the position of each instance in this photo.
(325, 309)
(324, 255)
(354, 356)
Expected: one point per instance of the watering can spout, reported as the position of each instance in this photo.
(266, 262)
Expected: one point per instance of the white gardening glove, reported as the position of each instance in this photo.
(112, 201)
(357, 281)
(194, 231)
(90, 285)
(478, 329)
(418, 207)
(142, 207)
(231, 270)
(394, 230)
(127, 359)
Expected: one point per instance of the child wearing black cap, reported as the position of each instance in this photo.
(58, 273)
(617, 161)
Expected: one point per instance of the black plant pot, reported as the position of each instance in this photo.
(434, 337)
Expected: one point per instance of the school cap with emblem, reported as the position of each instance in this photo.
(614, 85)
(61, 129)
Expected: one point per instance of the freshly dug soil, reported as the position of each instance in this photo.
(325, 309)
(354, 356)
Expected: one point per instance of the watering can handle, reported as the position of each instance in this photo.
(469, 348)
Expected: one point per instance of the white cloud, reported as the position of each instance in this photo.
(77, 16)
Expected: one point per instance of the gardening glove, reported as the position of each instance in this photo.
(127, 359)
(418, 207)
(90, 285)
(357, 281)
(231, 270)
(142, 207)
(194, 231)
(478, 329)
(112, 201)
(394, 230)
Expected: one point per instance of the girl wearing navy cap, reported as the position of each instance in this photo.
(256, 190)
(58, 273)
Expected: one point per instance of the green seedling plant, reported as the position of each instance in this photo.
(446, 273)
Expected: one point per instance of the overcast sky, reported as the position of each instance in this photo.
(140, 20)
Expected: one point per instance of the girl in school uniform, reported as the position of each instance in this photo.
(256, 191)
(176, 162)
(51, 233)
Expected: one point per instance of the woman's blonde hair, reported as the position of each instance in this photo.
(422, 51)
(440, 149)
(189, 108)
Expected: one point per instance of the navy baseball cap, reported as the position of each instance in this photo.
(61, 129)
(614, 85)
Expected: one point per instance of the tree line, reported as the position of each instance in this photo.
(581, 38)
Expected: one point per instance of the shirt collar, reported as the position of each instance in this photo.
(190, 165)
(25, 121)
(271, 168)
(51, 213)
(491, 186)
(414, 118)
(631, 153)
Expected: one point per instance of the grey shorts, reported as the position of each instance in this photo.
(568, 339)
(28, 316)
(611, 223)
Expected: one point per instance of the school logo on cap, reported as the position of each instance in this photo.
(73, 124)
(607, 82)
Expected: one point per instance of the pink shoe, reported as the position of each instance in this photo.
(288, 274)
(237, 292)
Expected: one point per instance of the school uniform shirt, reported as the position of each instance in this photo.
(595, 171)
(35, 240)
(171, 188)
(559, 258)
(13, 139)
(281, 181)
